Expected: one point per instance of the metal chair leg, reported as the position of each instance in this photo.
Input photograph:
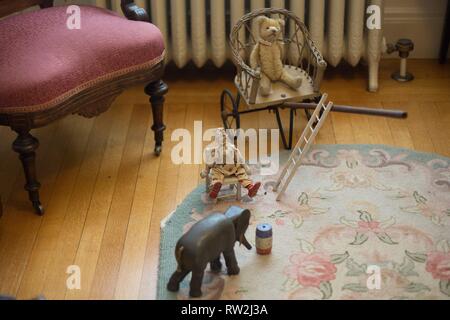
(291, 126)
(280, 127)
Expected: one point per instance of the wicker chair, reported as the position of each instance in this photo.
(300, 57)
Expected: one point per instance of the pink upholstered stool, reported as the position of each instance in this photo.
(48, 71)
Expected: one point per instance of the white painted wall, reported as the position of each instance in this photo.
(419, 20)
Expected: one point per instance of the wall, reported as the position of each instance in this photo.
(420, 20)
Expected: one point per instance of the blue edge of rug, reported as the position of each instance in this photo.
(169, 236)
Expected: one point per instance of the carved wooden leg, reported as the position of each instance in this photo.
(156, 90)
(25, 145)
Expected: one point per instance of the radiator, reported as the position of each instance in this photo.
(197, 30)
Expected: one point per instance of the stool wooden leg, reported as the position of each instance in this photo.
(25, 145)
(238, 191)
(156, 90)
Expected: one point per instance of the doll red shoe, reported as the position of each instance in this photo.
(253, 189)
(215, 190)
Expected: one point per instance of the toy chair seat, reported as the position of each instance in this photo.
(281, 93)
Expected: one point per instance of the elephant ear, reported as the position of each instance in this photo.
(242, 223)
(240, 218)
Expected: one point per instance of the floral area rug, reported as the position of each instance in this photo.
(356, 222)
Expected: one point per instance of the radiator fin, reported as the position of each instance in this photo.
(179, 32)
(278, 4)
(355, 31)
(297, 7)
(218, 30)
(237, 11)
(159, 18)
(198, 30)
(317, 22)
(335, 31)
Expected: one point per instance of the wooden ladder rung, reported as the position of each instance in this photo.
(296, 157)
(287, 173)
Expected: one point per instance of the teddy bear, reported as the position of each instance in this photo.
(224, 160)
(267, 55)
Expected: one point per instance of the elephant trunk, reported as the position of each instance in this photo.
(243, 240)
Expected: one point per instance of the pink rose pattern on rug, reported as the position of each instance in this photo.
(344, 212)
(310, 270)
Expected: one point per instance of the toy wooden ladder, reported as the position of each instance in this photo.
(303, 145)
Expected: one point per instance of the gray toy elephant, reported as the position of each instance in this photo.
(203, 244)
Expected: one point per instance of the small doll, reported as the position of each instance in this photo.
(224, 160)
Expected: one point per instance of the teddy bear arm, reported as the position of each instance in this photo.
(281, 48)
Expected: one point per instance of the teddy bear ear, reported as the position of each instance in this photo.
(282, 22)
(261, 19)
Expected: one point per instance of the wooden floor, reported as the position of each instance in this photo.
(105, 193)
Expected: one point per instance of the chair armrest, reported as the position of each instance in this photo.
(133, 12)
(235, 46)
(318, 59)
(239, 62)
(318, 62)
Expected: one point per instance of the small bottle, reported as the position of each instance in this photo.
(263, 238)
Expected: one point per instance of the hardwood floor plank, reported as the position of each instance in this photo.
(342, 127)
(132, 264)
(20, 224)
(189, 173)
(440, 127)
(92, 234)
(418, 126)
(399, 127)
(75, 139)
(12, 177)
(381, 133)
(72, 227)
(111, 249)
(10, 166)
(165, 201)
